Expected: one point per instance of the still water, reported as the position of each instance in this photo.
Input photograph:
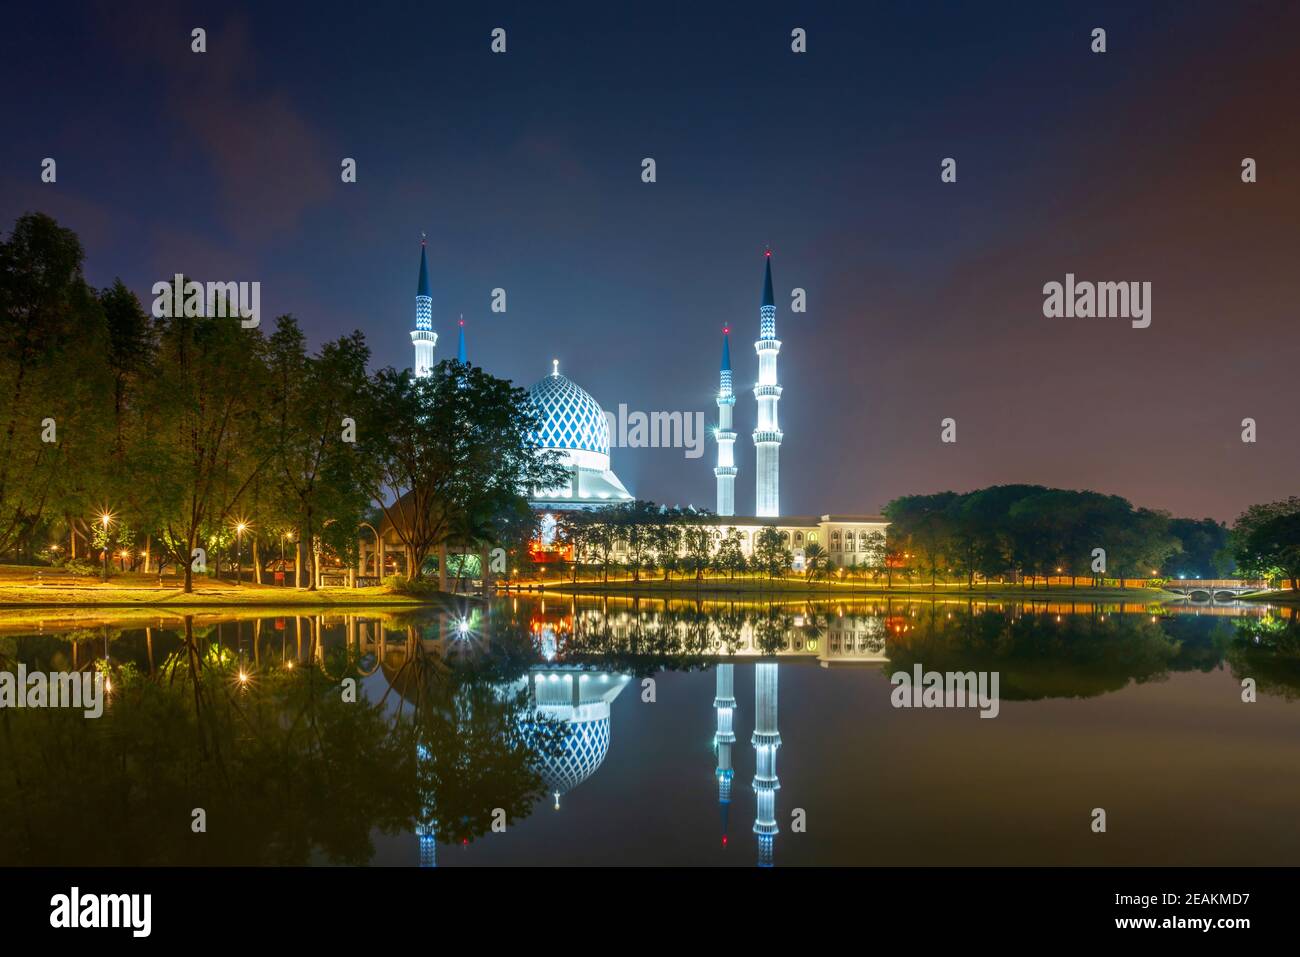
(619, 731)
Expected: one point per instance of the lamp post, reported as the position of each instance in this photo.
(105, 518)
(239, 552)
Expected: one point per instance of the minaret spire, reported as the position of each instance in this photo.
(726, 468)
(460, 348)
(423, 338)
(767, 434)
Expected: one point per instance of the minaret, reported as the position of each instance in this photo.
(767, 433)
(726, 470)
(766, 739)
(423, 337)
(724, 738)
(460, 348)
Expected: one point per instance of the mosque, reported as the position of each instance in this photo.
(574, 425)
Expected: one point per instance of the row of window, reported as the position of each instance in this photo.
(848, 541)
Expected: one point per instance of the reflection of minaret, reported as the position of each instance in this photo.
(426, 829)
(725, 703)
(766, 739)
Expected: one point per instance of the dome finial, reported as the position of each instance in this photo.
(555, 367)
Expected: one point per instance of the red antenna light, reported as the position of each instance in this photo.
(726, 330)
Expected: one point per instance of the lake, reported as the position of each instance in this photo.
(561, 731)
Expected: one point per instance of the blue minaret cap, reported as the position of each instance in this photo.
(726, 351)
(423, 289)
(768, 299)
(460, 349)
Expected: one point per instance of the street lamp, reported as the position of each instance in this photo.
(105, 518)
(240, 527)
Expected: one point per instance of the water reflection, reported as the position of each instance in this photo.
(470, 718)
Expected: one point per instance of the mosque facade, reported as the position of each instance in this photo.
(575, 427)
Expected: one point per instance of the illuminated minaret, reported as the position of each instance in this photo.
(766, 739)
(726, 470)
(767, 433)
(460, 347)
(724, 738)
(423, 337)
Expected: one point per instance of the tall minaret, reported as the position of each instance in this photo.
(767, 434)
(724, 738)
(726, 470)
(460, 348)
(766, 739)
(423, 337)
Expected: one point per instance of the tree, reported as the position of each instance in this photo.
(1263, 540)
(1204, 552)
(666, 540)
(320, 459)
(768, 549)
(730, 555)
(698, 543)
(815, 561)
(455, 440)
(53, 380)
(202, 437)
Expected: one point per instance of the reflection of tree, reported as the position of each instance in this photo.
(1268, 650)
(479, 745)
(1039, 655)
(287, 772)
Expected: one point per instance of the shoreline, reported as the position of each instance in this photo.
(822, 590)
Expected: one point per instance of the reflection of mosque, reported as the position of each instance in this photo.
(578, 698)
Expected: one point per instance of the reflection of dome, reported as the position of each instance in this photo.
(572, 422)
(580, 699)
(585, 746)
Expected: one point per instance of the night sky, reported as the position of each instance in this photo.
(924, 298)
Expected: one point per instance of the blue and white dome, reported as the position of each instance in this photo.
(573, 423)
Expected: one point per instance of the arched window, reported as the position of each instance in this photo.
(812, 538)
(798, 538)
(835, 541)
(862, 541)
(785, 538)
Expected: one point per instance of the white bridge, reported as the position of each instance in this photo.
(1212, 589)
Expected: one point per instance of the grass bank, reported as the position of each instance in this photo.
(20, 587)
